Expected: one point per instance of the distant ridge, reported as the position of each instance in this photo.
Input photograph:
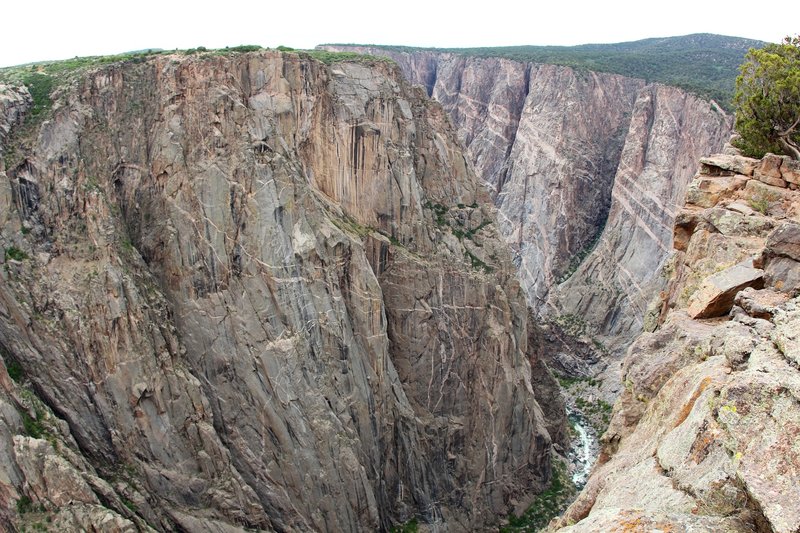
(703, 63)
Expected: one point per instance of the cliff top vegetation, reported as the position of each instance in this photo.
(768, 100)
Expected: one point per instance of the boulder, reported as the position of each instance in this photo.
(785, 241)
(730, 223)
(781, 258)
(759, 303)
(716, 294)
(782, 274)
(790, 171)
(706, 191)
(786, 334)
(741, 208)
(769, 171)
(719, 164)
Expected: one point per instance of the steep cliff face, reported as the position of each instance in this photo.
(704, 437)
(586, 168)
(668, 132)
(259, 291)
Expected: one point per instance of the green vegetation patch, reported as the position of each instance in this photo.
(547, 505)
(573, 325)
(412, 526)
(566, 382)
(598, 412)
(40, 86)
(476, 262)
(337, 57)
(25, 505)
(12, 252)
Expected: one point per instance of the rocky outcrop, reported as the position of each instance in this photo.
(14, 102)
(703, 438)
(256, 291)
(586, 169)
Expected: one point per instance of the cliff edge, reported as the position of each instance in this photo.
(704, 436)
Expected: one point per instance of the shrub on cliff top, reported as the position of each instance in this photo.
(768, 100)
(40, 86)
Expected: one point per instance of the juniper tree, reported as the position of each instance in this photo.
(767, 100)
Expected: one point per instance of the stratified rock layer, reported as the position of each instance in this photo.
(257, 290)
(587, 170)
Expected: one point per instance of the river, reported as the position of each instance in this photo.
(584, 448)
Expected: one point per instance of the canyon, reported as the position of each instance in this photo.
(588, 171)
(294, 292)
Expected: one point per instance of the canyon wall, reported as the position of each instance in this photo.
(257, 291)
(587, 170)
(704, 436)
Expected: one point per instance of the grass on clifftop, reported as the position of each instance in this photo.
(704, 64)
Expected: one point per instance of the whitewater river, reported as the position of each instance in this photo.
(583, 450)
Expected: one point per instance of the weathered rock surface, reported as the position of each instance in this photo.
(586, 169)
(704, 436)
(257, 291)
(14, 102)
(715, 296)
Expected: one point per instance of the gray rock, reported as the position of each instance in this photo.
(718, 164)
(256, 303)
(785, 241)
(716, 294)
(586, 199)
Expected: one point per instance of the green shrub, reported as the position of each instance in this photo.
(14, 370)
(33, 426)
(24, 505)
(12, 252)
(412, 526)
(760, 203)
(40, 86)
(245, 48)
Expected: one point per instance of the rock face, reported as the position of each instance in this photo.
(257, 291)
(704, 437)
(586, 169)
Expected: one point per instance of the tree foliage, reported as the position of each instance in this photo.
(767, 100)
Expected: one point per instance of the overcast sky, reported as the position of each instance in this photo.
(44, 30)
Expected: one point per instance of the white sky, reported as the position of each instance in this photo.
(47, 29)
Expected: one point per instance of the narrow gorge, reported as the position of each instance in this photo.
(588, 171)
